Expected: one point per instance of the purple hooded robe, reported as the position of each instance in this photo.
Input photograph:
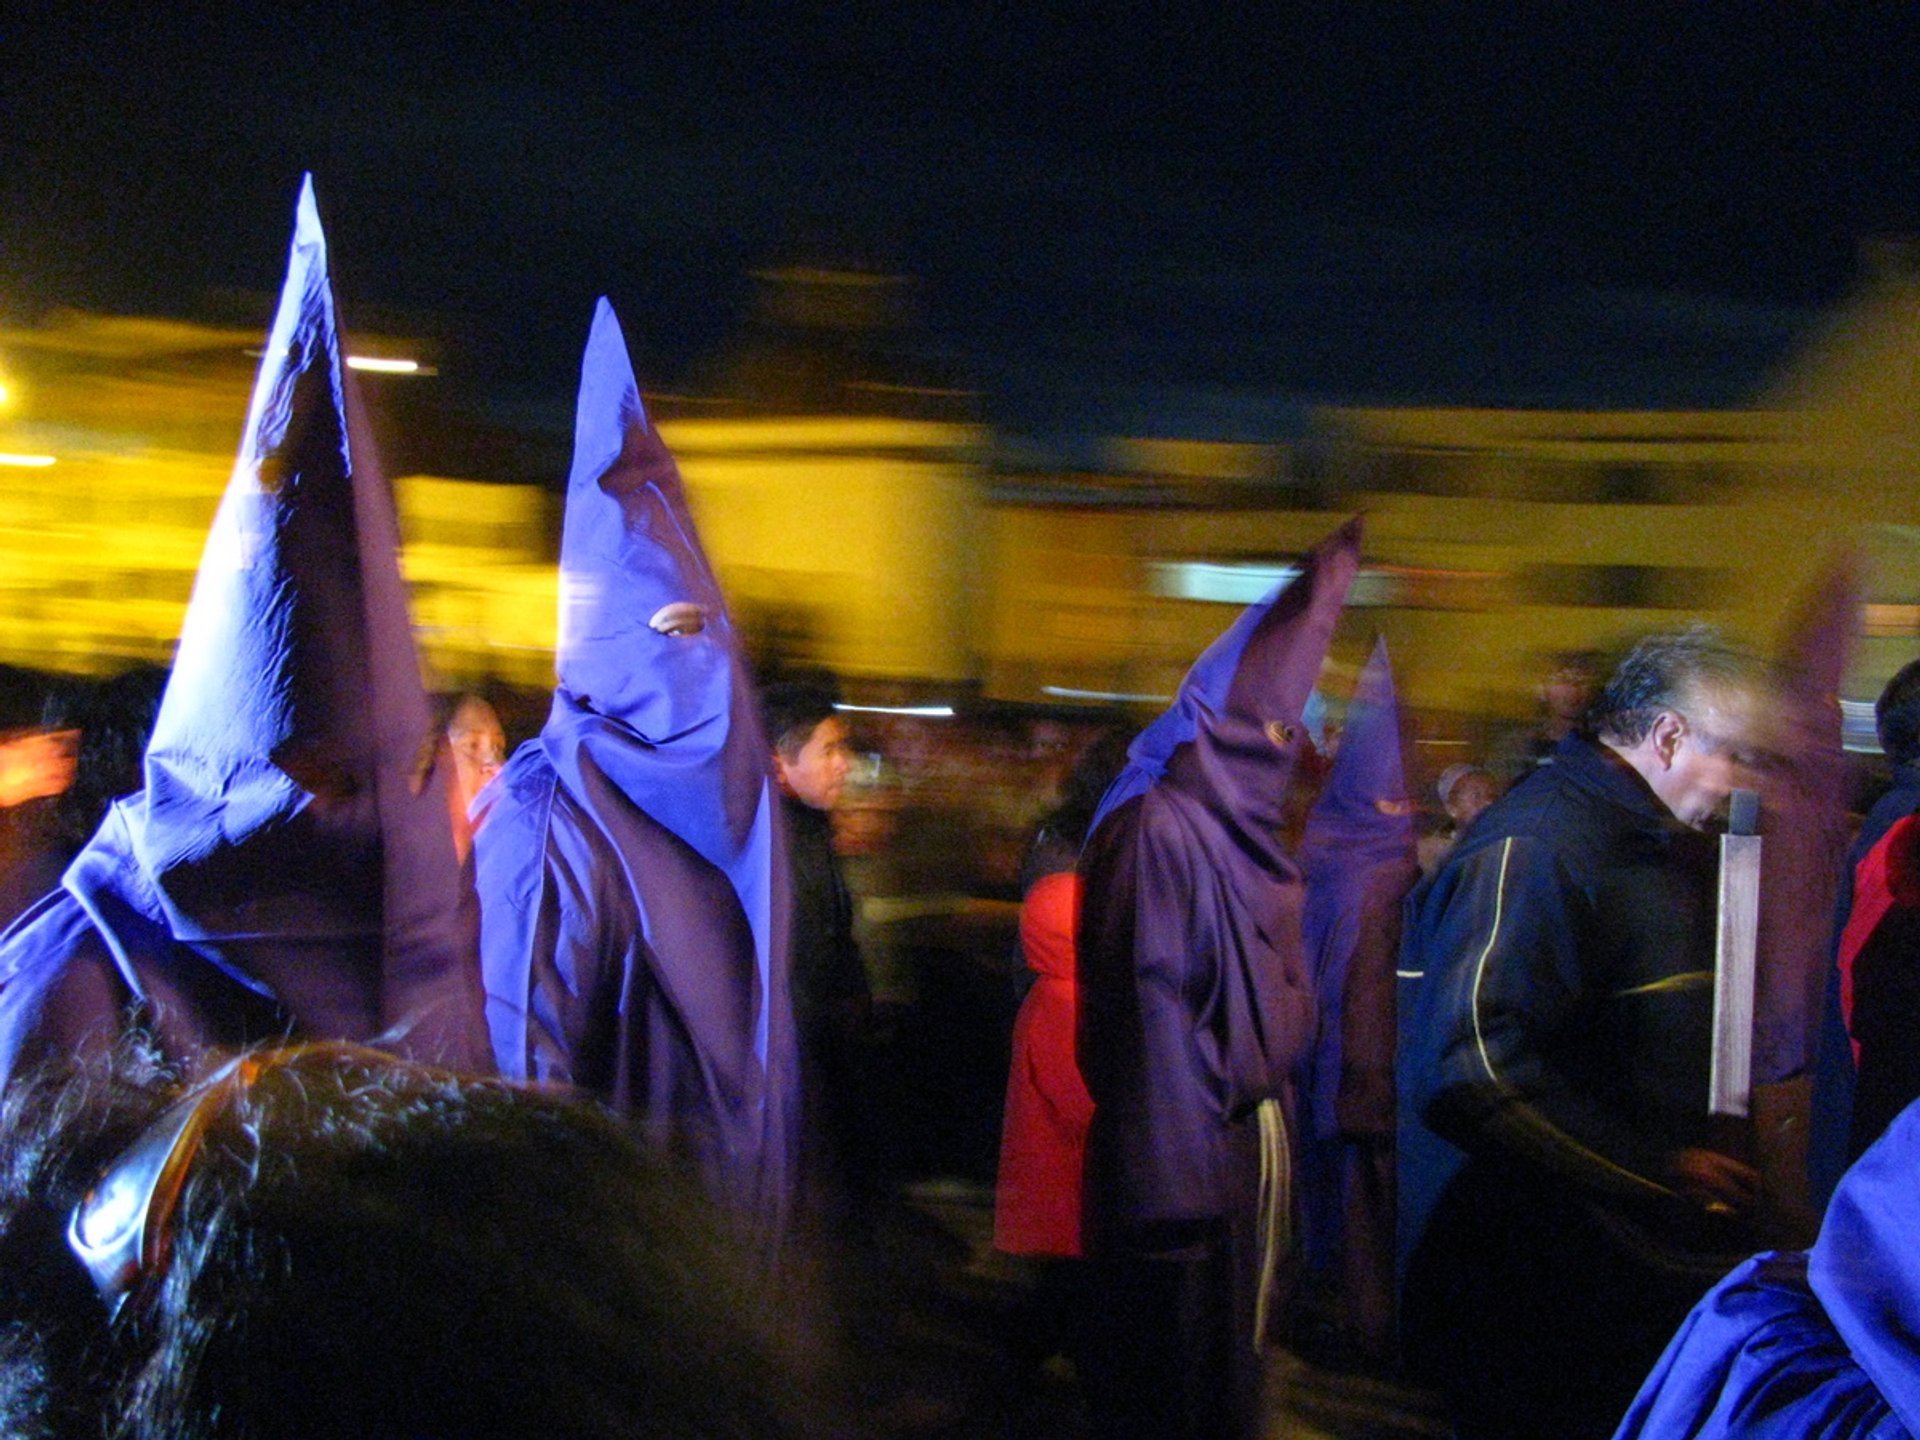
(1358, 858)
(1196, 1006)
(1804, 815)
(289, 868)
(633, 929)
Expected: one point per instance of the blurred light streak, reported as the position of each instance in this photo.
(1111, 697)
(27, 462)
(942, 392)
(1218, 583)
(1859, 729)
(378, 366)
(932, 712)
(1890, 621)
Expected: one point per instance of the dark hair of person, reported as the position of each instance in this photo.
(1063, 830)
(1896, 715)
(1668, 671)
(375, 1249)
(792, 710)
(115, 719)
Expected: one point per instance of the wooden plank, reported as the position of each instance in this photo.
(1730, 1085)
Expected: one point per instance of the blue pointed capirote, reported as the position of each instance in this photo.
(289, 867)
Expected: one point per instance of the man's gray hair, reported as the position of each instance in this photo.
(1668, 672)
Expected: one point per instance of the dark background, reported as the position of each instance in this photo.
(1344, 201)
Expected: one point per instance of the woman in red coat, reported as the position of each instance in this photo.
(1043, 1139)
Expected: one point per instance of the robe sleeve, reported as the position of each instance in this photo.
(551, 981)
(578, 966)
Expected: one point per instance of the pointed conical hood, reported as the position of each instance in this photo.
(291, 824)
(1806, 830)
(1363, 809)
(654, 728)
(1247, 694)
(685, 743)
(1359, 860)
(629, 548)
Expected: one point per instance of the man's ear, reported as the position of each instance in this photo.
(779, 772)
(1665, 736)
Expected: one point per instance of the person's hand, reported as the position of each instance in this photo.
(1717, 1183)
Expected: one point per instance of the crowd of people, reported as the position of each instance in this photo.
(355, 1085)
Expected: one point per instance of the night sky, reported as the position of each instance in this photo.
(1353, 199)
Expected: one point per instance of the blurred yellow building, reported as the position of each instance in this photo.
(902, 550)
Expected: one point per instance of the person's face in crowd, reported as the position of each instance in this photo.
(816, 772)
(1470, 795)
(1705, 753)
(37, 764)
(1567, 692)
(1050, 746)
(479, 746)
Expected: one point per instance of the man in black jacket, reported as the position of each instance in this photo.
(1562, 1040)
(831, 998)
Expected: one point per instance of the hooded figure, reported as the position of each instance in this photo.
(289, 868)
(1815, 1343)
(1803, 866)
(1359, 862)
(633, 928)
(1197, 1008)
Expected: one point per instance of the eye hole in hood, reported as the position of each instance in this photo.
(679, 617)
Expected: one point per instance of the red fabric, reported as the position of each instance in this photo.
(1044, 1138)
(1887, 875)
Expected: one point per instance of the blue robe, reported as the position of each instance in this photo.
(1357, 856)
(1195, 1011)
(1821, 1343)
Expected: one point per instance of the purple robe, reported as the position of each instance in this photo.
(1195, 1001)
(1195, 1010)
(629, 858)
(1824, 1343)
(1806, 829)
(289, 868)
(1359, 863)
